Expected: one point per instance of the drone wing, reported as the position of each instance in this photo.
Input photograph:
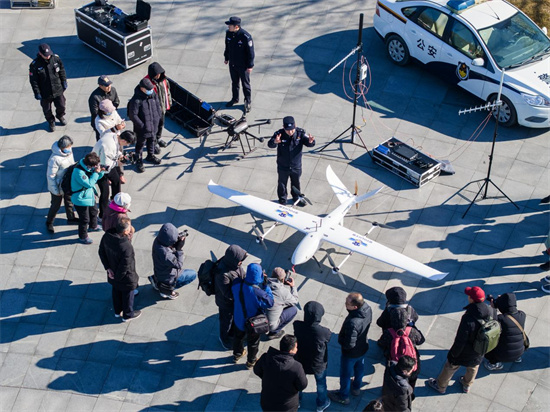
(346, 238)
(296, 219)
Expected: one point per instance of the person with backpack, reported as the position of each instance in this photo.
(465, 350)
(84, 176)
(228, 269)
(397, 393)
(313, 354)
(396, 299)
(168, 271)
(513, 340)
(60, 159)
(251, 297)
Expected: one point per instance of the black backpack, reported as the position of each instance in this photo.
(66, 181)
(207, 271)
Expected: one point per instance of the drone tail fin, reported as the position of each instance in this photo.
(359, 199)
(341, 192)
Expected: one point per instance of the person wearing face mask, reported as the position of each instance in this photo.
(145, 112)
(49, 81)
(157, 76)
(108, 119)
(105, 90)
(83, 180)
(60, 159)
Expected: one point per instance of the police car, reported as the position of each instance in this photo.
(469, 43)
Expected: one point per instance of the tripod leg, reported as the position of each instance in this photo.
(504, 194)
(335, 139)
(477, 194)
(242, 145)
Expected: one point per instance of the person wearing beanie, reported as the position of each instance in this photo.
(49, 82)
(157, 75)
(396, 299)
(104, 90)
(118, 207)
(462, 353)
(145, 112)
(289, 142)
(513, 339)
(285, 297)
(108, 119)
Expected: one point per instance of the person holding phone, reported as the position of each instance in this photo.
(285, 299)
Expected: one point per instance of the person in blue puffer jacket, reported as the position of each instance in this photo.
(83, 180)
(257, 298)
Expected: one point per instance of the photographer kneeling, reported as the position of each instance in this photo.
(168, 272)
(285, 298)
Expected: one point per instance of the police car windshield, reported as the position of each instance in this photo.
(514, 41)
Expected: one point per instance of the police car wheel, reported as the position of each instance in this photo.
(507, 116)
(397, 50)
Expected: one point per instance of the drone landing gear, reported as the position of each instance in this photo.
(261, 236)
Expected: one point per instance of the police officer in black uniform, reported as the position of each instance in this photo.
(48, 82)
(289, 142)
(239, 54)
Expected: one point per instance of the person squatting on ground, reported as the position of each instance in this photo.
(49, 82)
(511, 343)
(110, 149)
(239, 55)
(145, 112)
(118, 207)
(354, 344)
(168, 271)
(251, 297)
(60, 159)
(462, 353)
(162, 88)
(283, 378)
(83, 180)
(105, 90)
(397, 393)
(117, 256)
(108, 119)
(289, 142)
(228, 269)
(285, 298)
(313, 354)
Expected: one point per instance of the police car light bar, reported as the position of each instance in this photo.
(459, 5)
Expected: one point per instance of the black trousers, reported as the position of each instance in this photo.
(239, 74)
(123, 301)
(161, 127)
(59, 103)
(56, 204)
(252, 341)
(226, 322)
(104, 195)
(87, 215)
(282, 183)
(141, 141)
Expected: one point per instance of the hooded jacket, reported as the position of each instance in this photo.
(111, 215)
(396, 299)
(289, 151)
(396, 390)
(399, 319)
(283, 379)
(353, 334)
(312, 339)
(96, 97)
(283, 296)
(47, 77)
(117, 253)
(57, 165)
(227, 271)
(257, 297)
(162, 86)
(462, 352)
(510, 345)
(87, 181)
(167, 261)
(145, 113)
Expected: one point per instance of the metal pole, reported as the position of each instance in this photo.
(358, 75)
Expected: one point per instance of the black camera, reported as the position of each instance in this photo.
(183, 234)
(104, 167)
(490, 298)
(129, 157)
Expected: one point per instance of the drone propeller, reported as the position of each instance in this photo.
(335, 269)
(259, 238)
(268, 120)
(296, 192)
(382, 225)
(355, 194)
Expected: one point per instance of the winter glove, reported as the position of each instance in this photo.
(179, 244)
(65, 85)
(37, 97)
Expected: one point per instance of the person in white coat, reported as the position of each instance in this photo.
(60, 159)
(108, 119)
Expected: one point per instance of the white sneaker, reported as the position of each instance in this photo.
(493, 366)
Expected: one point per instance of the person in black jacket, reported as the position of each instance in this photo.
(104, 90)
(157, 75)
(462, 352)
(168, 271)
(511, 343)
(49, 81)
(145, 112)
(239, 54)
(229, 268)
(313, 354)
(397, 393)
(283, 378)
(117, 256)
(396, 300)
(289, 142)
(354, 342)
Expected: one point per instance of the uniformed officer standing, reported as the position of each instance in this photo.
(239, 54)
(105, 90)
(289, 142)
(48, 82)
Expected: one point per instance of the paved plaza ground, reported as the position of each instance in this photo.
(61, 349)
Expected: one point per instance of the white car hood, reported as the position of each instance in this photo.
(532, 78)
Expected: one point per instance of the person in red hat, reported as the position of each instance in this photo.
(462, 352)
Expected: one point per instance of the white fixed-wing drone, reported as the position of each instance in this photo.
(326, 229)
